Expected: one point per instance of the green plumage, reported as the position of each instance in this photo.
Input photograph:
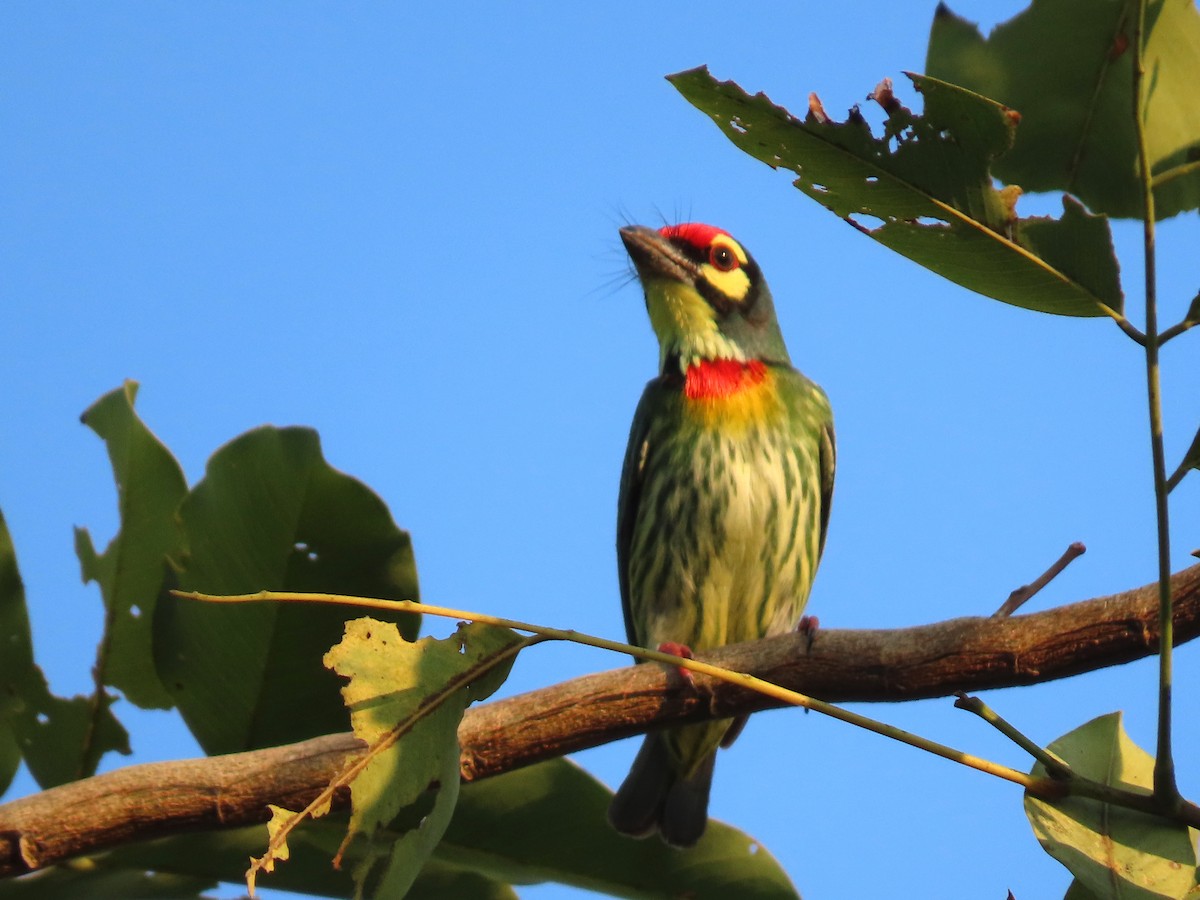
(722, 512)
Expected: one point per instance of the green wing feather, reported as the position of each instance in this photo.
(629, 497)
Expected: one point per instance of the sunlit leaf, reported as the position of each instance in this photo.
(270, 513)
(1076, 109)
(406, 701)
(924, 188)
(392, 681)
(1112, 851)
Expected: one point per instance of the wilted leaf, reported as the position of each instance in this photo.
(392, 683)
(1113, 852)
(1076, 109)
(406, 701)
(60, 739)
(150, 486)
(549, 823)
(925, 190)
(271, 514)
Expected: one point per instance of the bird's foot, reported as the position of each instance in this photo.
(808, 627)
(684, 652)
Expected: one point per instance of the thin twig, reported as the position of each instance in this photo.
(1075, 784)
(1176, 330)
(1177, 476)
(1055, 767)
(1166, 790)
(741, 679)
(1025, 591)
(1128, 327)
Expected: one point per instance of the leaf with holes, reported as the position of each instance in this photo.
(1076, 104)
(59, 739)
(406, 701)
(924, 189)
(272, 514)
(1113, 852)
(150, 486)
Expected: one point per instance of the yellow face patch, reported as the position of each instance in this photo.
(684, 325)
(723, 269)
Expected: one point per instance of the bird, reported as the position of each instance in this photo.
(724, 496)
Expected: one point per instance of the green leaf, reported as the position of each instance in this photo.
(271, 514)
(150, 486)
(549, 822)
(1113, 852)
(416, 692)
(927, 182)
(1076, 109)
(1076, 891)
(98, 880)
(439, 880)
(406, 701)
(221, 856)
(60, 739)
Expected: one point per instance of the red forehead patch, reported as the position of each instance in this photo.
(695, 233)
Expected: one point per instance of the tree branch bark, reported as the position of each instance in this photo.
(970, 654)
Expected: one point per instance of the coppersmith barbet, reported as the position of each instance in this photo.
(724, 496)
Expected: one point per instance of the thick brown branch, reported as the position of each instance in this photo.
(972, 654)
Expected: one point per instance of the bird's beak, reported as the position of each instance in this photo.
(655, 257)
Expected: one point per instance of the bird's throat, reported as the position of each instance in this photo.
(714, 379)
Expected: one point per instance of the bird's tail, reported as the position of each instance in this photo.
(656, 796)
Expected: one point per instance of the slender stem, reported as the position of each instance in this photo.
(1061, 781)
(1175, 330)
(1165, 788)
(1068, 780)
(1128, 327)
(1190, 320)
(1041, 787)
(1177, 476)
(1054, 766)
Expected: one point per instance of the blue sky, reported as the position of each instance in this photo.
(397, 224)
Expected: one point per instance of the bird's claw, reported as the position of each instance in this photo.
(683, 651)
(808, 627)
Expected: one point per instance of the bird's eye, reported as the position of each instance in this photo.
(722, 258)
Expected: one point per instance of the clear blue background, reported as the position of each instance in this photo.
(397, 223)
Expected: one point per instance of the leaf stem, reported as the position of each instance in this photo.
(1165, 788)
(1128, 327)
(1175, 330)
(1189, 321)
(1056, 767)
